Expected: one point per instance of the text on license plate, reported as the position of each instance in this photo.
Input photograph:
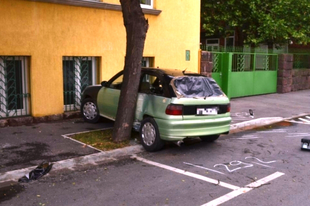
(206, 111)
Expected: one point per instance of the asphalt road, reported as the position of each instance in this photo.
(195, 174)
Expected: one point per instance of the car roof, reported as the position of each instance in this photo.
(170, 72)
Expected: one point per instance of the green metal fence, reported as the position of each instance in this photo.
(301, 60)
(244, 74)
(78, 73)
(14, 95)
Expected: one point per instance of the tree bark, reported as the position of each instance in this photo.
(136, 28)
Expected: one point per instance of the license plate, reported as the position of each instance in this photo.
(207, 111)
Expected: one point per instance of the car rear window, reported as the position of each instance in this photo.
(195, 87)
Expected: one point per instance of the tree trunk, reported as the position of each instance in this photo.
(136, 27)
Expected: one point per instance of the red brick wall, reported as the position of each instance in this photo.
(290, 79)
(301, 79)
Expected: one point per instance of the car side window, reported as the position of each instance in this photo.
(117, 83)
(151, 84)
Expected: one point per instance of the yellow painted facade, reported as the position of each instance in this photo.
(47, 32)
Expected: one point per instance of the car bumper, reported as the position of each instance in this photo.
(174, 130)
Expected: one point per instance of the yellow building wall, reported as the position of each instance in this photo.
(46, 32)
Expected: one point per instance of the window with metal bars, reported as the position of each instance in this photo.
(14, 96)
(78, 73)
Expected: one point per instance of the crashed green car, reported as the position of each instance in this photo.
(172, 105)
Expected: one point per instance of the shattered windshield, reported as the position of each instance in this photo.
(195, 87)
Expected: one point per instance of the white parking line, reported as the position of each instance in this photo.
(236, 190)
(243, 190)
(190, 174)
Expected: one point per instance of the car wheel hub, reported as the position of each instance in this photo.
(148, 134)
(90, 110)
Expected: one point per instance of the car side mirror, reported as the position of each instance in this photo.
(104, 83)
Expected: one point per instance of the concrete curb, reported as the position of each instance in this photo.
(96, 158)
(260, 122)
(92, 159)
(251, 124)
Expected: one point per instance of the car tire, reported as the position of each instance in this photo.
(90, 111)
(149, 135)
(210, 138)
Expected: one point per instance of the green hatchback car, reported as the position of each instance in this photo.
(172, 105)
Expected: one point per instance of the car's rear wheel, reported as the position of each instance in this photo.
(90, 111)
(149, 135)
(210, 138)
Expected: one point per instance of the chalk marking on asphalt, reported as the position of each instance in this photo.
(183, 172)
(272, 161)
(201, 167)
(243, 190)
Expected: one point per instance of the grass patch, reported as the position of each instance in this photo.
(101, 139)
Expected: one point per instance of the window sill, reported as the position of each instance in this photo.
(97, 5)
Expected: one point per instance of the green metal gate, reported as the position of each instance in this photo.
(245, 74)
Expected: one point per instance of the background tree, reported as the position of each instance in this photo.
(136, 28)
(257, 21)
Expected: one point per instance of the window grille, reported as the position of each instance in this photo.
(14, 95)
(78, 73)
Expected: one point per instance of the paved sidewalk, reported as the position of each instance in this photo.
(24, 147)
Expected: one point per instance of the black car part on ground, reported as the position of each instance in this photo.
(37, 173)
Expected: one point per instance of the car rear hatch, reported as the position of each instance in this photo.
(200, 98)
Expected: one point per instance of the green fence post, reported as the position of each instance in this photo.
(226, 71)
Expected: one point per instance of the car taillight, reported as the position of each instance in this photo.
(174, 109)
(228, 107)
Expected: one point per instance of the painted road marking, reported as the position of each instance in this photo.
(298, 135)
(305, 120)
(273, 131)
(300, 121)
(236, 190)
(243, 190)
(190, 174)
(250, 136)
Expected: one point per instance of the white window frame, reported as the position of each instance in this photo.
(77, 78)
(25, 89)
(148, 5)
(214, 46)
(230, 37)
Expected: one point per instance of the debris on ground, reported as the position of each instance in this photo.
(37, 173)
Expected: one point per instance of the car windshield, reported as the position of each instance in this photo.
(195, 87)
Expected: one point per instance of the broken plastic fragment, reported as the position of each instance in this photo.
(37, 173)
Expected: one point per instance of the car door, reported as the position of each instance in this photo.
(108, 97)
(150, 98)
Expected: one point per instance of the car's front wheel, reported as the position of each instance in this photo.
(90, 111)
(210, 138)
(149, 135)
